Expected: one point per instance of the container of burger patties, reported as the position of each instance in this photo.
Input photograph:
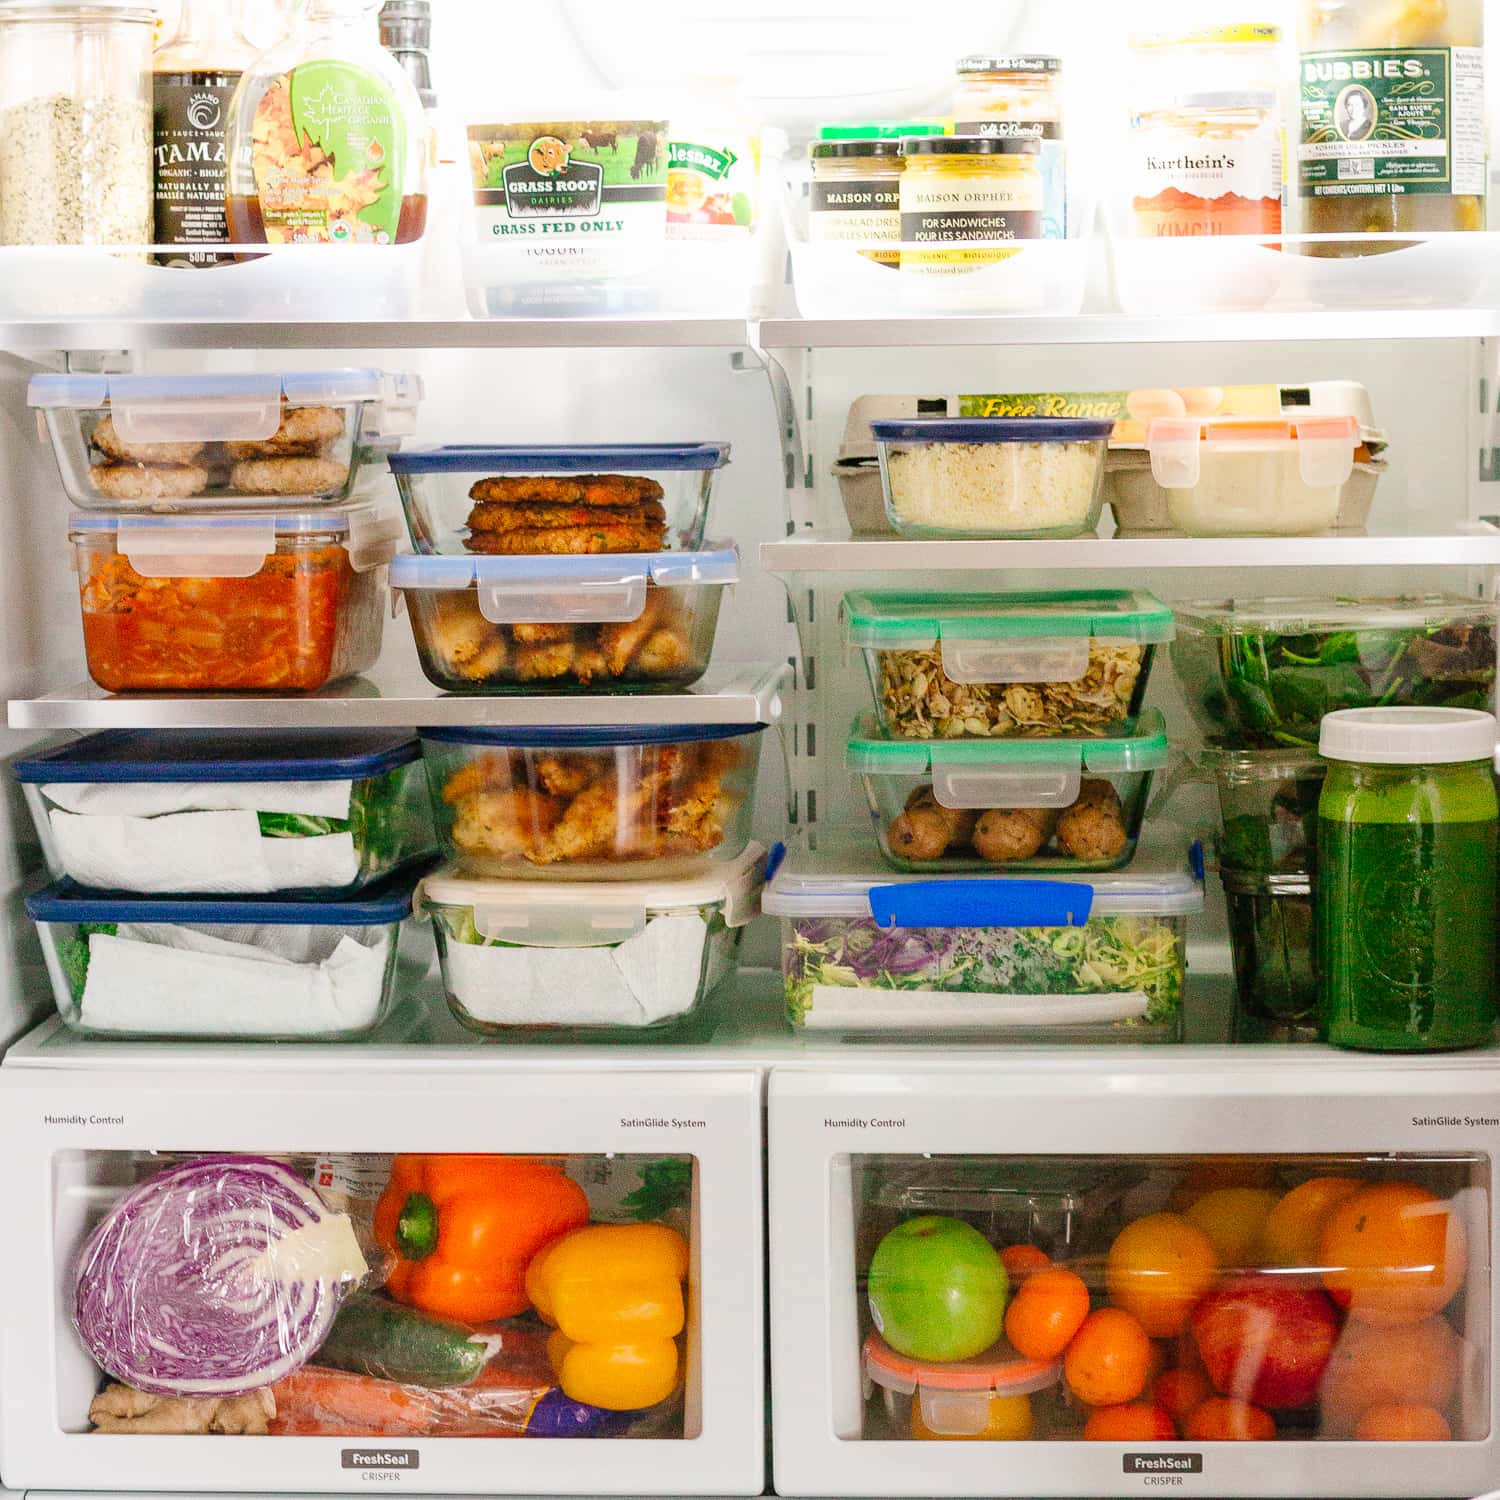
(221, 442)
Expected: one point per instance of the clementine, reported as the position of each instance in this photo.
(1109, 1359)
(1181, 1392)
(1222, 1419)
(1137, 1422)
(1046, 1312)
(1021, 1260)
(1158, 1268)
(1294, 1227)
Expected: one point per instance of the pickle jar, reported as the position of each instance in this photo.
(1406, 886)
(973, 196)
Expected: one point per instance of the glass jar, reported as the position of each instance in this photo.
(1019, 95)
(973, 195)
(1406, 886)
(1372, 71)
(856, 194)
(75, 123)
(327, 139)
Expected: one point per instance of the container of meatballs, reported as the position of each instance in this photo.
(1059, 804)
(237, 442)
(597, 803)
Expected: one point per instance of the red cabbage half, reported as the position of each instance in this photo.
(213, 1278)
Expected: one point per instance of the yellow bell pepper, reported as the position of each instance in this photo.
(613, 1292)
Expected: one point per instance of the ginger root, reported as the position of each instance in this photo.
(122, 1408)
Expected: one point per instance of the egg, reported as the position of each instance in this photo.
(1143, 405)
(1201, 400)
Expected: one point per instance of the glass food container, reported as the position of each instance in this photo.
(1268, 802)
(865, 952)
(614, 959)
(1261, 673)
(1021, 804)
(128, 968)
(452, 495)
(591, 624)
(202, 813)
(199, 442)
(653, 803)
(242, 603)
(1406, 890)
(992, 476)
(1271, 940)
(999, 181)
(1044, 665)
(75, 122)
(327, 140)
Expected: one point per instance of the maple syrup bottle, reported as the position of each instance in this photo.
(195, 72)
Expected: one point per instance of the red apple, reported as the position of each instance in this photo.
(1265, 1341)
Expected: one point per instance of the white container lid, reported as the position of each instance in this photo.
(1408, 736)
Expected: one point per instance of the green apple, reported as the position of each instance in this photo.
(937, 1289)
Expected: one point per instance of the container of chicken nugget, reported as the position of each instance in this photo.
(654, 802)
(561, 501)
(628, 622)
(165, 443)
(1063, 804)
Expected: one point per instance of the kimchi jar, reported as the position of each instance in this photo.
(283, 603)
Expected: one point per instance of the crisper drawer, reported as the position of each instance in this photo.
(282, 1279)
(1017, 1281)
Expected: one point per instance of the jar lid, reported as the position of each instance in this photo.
(881, 130)
(1009, 62)
(864, 148)
(1408, 736)
(971, 145)
(82, 10)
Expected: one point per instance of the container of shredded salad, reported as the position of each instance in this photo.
(242, 603)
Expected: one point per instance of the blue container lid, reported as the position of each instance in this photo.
(993, 430)
(125, 755)
(592, 736)
(301, 388)
(573, 458)
(664, 569)
(380, 906)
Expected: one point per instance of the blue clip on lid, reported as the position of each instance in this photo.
(573, 458)
(982, 903)
(129, 755)
(993, 430)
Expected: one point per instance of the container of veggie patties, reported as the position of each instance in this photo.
(602, 958)
(290, 813)
(1073, 958)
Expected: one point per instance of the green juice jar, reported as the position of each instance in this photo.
(1406, 882)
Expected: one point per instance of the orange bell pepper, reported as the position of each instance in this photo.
(614, 1294)
(463, 1228)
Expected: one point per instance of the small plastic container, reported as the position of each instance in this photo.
(1014, 804)
(436, 485)
(602, 959)
(127, 968)
(1271, 939)
(1268, 802)
(992, 476)
(609, 624)
(243, 603)
(1043, 665)
(236, 442)
(989, 958)
(652, 803)
(1253, 476)
(1261, 673)
(208, 814)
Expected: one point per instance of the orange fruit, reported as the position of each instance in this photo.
(1108, 1362)
(1222, 1419)
(1137, 1422)
(1008, 1421)
(1021, 1260)
(1158, 1267)
(1294, 1227)
(1402, 1424)
(1181, 1392)
(1393, 1254)
(1045, 1314)
(1413, 1364)
(1233, 1218)
(1221, 1172)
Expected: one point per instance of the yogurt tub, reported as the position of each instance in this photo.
(992, 476)
(602, 958)
(126, 967)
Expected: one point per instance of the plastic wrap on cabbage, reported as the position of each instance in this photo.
(216, 1277)
(1107, 954)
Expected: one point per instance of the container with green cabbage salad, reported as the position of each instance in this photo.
(1070, 959)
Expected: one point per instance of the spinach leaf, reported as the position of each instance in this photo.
(298, 826)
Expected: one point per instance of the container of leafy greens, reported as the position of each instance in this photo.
(1271, 933)
(297, 814)
(1263, 672)
(1074, 958)
(1268, 802)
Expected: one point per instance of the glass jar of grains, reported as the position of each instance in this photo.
(75, 123)
(970, 198)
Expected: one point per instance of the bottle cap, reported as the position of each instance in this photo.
(1408, 736)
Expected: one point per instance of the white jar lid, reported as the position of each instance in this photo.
(1408, 736)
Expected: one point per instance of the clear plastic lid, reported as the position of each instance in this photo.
(1291, 616)
(572, 458)
(895, 621)
(1324, 446)
(840, 875)
(592, 914)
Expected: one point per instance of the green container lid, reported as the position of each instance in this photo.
(871, 753)
(881, 130)
(890, 621)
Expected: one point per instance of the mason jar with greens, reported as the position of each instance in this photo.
(1406, 884)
